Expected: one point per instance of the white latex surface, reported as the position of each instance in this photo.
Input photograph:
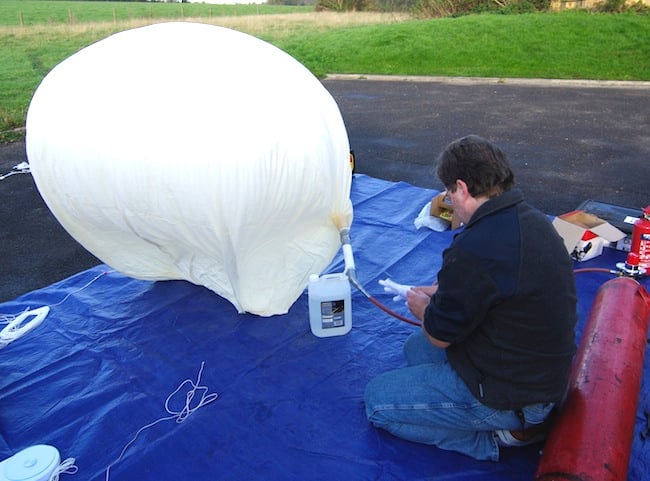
(191, 151)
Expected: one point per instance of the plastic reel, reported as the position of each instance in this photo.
(35, 463)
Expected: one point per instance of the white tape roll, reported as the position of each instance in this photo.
(35, 463)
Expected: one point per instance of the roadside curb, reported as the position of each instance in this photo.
(631, 84)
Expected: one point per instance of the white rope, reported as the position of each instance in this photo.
(67, 466)
(22, 168)
(179, 415)
(17, 326)
(81, 288)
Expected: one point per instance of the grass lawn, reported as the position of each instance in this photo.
(37, 35)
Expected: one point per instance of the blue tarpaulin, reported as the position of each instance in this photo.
(290, 405)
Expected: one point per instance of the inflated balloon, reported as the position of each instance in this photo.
(191, 151)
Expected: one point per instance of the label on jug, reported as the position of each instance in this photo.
(332, 314)
(329, 305)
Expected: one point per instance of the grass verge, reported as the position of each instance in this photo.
(566, 45)
(569, 45)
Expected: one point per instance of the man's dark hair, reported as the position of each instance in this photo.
(478, 163)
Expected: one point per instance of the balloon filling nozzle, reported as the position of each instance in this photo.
(351, 273)
(348, 259)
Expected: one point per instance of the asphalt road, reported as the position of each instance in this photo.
(568, 142)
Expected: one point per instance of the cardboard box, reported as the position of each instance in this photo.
(585, 234)
(441, 207)
(621, 217)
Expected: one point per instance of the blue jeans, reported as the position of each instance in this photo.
(427, 402)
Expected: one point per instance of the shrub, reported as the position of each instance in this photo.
(620, 6)
(436, 8)
(340, 5)
(446, 8)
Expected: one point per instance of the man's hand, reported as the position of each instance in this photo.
(428, 290)
(417, 300)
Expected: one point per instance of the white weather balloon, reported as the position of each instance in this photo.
(191, 151)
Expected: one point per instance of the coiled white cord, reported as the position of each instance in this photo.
(179, 415)
(19, 326)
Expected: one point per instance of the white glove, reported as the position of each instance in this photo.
(398, 290)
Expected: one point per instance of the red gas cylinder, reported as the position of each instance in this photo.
(592, 436)
(641, 239)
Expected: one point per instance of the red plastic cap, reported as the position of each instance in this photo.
(632, 259)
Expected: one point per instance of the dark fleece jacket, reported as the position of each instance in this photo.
(507, 304)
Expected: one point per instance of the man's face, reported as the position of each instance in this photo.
(461, 201)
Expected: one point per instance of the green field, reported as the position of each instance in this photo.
(37, 35)
(572, 45)
(39, 12)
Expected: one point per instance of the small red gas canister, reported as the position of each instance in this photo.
(641, 239)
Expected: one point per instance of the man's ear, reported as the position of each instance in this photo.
(462, 186)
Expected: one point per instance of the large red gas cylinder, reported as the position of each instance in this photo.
(641, 239)
(592, 436)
